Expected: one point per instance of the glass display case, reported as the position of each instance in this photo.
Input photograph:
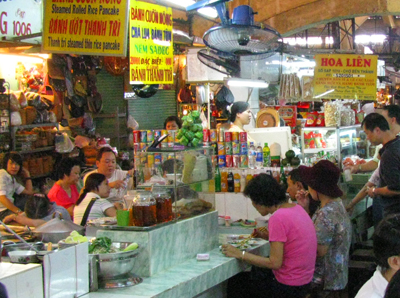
(172, 183)
(337, 141)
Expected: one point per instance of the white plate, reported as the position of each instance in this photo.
(103, 221)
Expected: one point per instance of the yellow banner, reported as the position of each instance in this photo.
(87, 27)
(151, 51)
(338, 76)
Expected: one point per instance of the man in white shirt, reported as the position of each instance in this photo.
(107, 165)
(387, 253)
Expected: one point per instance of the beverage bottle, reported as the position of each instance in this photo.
(252, 156)
(242, 181)
(217, 179)
(236, 181)
(231, 185)
(283, 180)
(275, 174)
(266, 156)
(224, 180)
(249, 176)
(259, 156)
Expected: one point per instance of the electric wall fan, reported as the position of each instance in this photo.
(145, 91)
(225, 63)
(239, 35)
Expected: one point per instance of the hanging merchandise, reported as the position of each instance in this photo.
(307, 90)
(63, 143)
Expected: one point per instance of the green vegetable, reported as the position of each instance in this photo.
(179, 134)
(131, 246)
(189, 119)
(75, 237)
(186, 124)
(184, 141)
(197, 127)
(189, 135)
(195, 114)
(195, 142)
(103, 243)
(199, 135)
(183, 118)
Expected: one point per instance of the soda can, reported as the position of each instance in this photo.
(228, 148)
(213, 135)
(214, 159)
(221, 161)
(235, 136)
(228, 161)
(142, 146)
(171, 136)
(136, 147)
(221, 135)
(235, 148)
(136, 136)
(157, 134)
(150, 160)
(206, 144)
(150, 136)
(243, 136)
(221, 148)
(157, 159)
(236, 161)
(228, 136)
(164, 132)
(143, 136)
(244, 161)
(243, 148)
(206, 135)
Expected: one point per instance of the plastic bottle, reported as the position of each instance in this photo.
(236, 181)
(259, 156)
(252, 155)
(217, 179)
(249, 176)
(266, 156)
(242, 181)
(224, 180)
(283, 181)
(275, 174)
(231, 182)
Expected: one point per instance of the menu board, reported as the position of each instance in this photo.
(338, 76)
(151, 51)
(86, 27)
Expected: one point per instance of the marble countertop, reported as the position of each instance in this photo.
(9, 269)
(187, 279)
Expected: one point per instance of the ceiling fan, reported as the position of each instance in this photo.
(222, 62)
(240, 35)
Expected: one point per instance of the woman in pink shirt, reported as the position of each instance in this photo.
(289, 269)
(64, 192)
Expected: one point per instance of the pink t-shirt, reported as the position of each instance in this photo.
(58, 195)
(294, 227)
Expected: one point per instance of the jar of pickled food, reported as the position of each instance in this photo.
(144, 209)
(164, 204)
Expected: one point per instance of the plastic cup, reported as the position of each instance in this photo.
(123, 218)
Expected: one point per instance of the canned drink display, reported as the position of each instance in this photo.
(170, 145)
(157, 134)
(171, 136)
(206, 144)
(243, 136)
(213, 135)
(244, 161)
(143, 136)
(236, 161)
(157, 159)
(228, 161)
(221, 148)
(136, 136)
(221, 135)
(150, 136)
(228, 136)
(214, 159)
(164, 132)
(142, 146)
(228, 148)
(206, 135)
(235, 148)
(150, 160)
(243, 148)
(136, 147)
(221, 161)
(235, 136)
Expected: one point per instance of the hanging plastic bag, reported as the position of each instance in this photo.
(63, 143)
(132, 123)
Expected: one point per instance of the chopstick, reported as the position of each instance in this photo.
(243, 242)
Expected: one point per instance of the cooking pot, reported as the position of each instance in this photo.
(112, 265)
(56, 230)
(12, 246)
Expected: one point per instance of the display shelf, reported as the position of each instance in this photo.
(41, 176)
(42, 149)
(316, 150)
(29, 126)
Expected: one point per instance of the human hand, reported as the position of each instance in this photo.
(350, 208)
(303, 198)
(25, 173)
(9, 218)
(353, 169)
(118, 206)
(371, 191)
(117, 184)
(261, 232)
(231, 251)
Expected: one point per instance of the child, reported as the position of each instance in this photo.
(96, 188)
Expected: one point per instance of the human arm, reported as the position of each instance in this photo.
(28, 182)
(366, 167)
(261, 233)
(274, 261)
(359, 197)
(382, 191)
(8, 204)
(22, 219)
(303, 199)
(111, 212)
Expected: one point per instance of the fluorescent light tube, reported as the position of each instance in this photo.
(237, 82)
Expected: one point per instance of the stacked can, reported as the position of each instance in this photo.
(228, 149)
(235, 149)
(244, 161)
(221, 154)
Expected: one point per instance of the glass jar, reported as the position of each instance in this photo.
(164, 204)
(144, 209)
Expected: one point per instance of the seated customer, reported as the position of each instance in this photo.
(333, 228)
(293, 247)
(38, 210)
(386, 241)
(96, 188)
(12, 167)
(64, 192)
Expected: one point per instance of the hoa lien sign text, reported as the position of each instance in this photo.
(354, 62)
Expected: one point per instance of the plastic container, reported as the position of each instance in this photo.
(144, 209)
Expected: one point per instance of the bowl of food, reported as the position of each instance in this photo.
(23, 256)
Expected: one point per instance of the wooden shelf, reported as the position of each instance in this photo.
(34, 125)
(41, 149)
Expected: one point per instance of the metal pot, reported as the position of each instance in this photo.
(56, 230)
(112, 265)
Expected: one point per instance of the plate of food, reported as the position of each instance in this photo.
(103, 221)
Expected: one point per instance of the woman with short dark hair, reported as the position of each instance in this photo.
(289, 269)
(12, 167)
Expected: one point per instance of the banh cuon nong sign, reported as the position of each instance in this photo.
(87, 27)
(342, 76)
(150, 44)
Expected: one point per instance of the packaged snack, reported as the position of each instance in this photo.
(332, 113)
(320, 119)
(311, 119)
(309, 141)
